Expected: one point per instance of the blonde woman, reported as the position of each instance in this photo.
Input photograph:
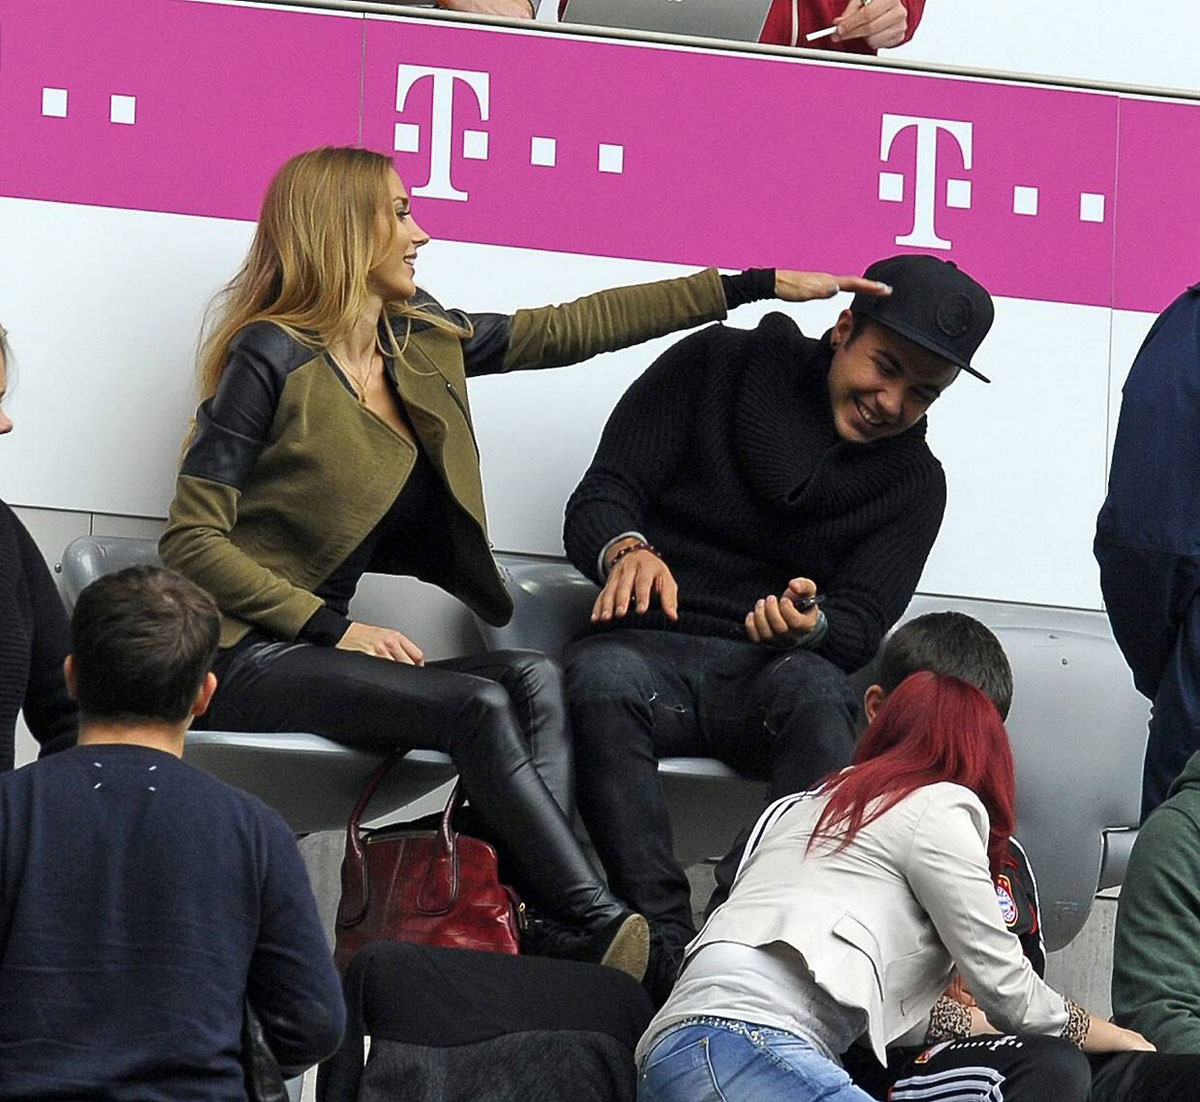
(33, 642)
(335, 437)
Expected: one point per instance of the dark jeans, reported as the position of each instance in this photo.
(1153, 603)
(1026, 1069)
(638, 695)
(500, 716)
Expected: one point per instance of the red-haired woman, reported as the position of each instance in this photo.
(850, 915)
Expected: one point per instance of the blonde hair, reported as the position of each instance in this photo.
(307, 269)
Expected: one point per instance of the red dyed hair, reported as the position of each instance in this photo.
(931, 728)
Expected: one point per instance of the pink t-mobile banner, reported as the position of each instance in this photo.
(626, 150)
(168, 105)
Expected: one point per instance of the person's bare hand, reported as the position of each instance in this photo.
(512, 9)
(632, 582)
(382, 643)
(882, 23)
(805, 286)
(777, 620)
(1106, 1036)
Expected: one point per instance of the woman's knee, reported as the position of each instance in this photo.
(539, 676)
(485, 710)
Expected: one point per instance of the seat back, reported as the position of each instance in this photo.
(1078, 729)
(88, 557)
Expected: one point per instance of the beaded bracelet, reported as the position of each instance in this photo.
(629, 549)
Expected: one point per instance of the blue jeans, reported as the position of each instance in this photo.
(717, 1060)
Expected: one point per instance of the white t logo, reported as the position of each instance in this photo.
(442, 123)
(923, 234)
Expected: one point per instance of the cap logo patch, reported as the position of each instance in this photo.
(954, 314)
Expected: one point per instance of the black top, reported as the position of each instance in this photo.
(416, 523)
(33, 643)
(724, 454)
(141, 901)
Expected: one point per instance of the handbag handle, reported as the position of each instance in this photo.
(356, 888)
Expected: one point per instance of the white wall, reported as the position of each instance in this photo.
(1103, 41)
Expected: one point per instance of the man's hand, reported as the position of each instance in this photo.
(805, 286)
(882, 23)
(512, 9)
(778, 620)
(382, 643)
(634, 578)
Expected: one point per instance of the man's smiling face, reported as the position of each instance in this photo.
(881, 383)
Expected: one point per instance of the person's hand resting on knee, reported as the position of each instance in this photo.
(636, 573)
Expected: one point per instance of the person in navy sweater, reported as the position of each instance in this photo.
(144, 904)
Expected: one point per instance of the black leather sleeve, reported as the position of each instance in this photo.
(484, 350)
(232, 425)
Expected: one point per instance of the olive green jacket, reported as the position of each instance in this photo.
(288, 472)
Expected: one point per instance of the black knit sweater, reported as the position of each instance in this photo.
(725, 456)
(33, 644)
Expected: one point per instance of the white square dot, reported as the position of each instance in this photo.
(54, 102)
(958, 194)
(475, 145)
(122, 109)
(1025, 200)
(891, 187)
(543, 151)
(612, 158)
(1091, 207)
(406, 138)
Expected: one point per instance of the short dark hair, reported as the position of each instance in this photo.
(953, 644)
(142, 640)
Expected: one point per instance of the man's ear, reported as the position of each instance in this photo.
(873, 700)
(842, 328)
(204, 694)
(69, 677)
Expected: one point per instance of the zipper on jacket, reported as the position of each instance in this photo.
(463, 410)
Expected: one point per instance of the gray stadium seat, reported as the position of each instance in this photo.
(311, 781)
(1078, 731)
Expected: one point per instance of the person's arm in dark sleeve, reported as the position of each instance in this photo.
(49, 711)
(292, 984)
(875, 582)
(642, 444)
(1156, 949)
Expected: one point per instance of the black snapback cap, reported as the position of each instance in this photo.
(933, 303)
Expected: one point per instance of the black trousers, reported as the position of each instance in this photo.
(638, 695)
(1025, 1068)
(500, 716)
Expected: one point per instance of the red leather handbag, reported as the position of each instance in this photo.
(432, 887)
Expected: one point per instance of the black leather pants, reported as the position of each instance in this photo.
(500, 716)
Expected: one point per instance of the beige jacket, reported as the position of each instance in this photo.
(882, 923)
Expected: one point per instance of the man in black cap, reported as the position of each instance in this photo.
(758, 513)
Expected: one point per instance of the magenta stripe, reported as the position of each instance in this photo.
(607, 149)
